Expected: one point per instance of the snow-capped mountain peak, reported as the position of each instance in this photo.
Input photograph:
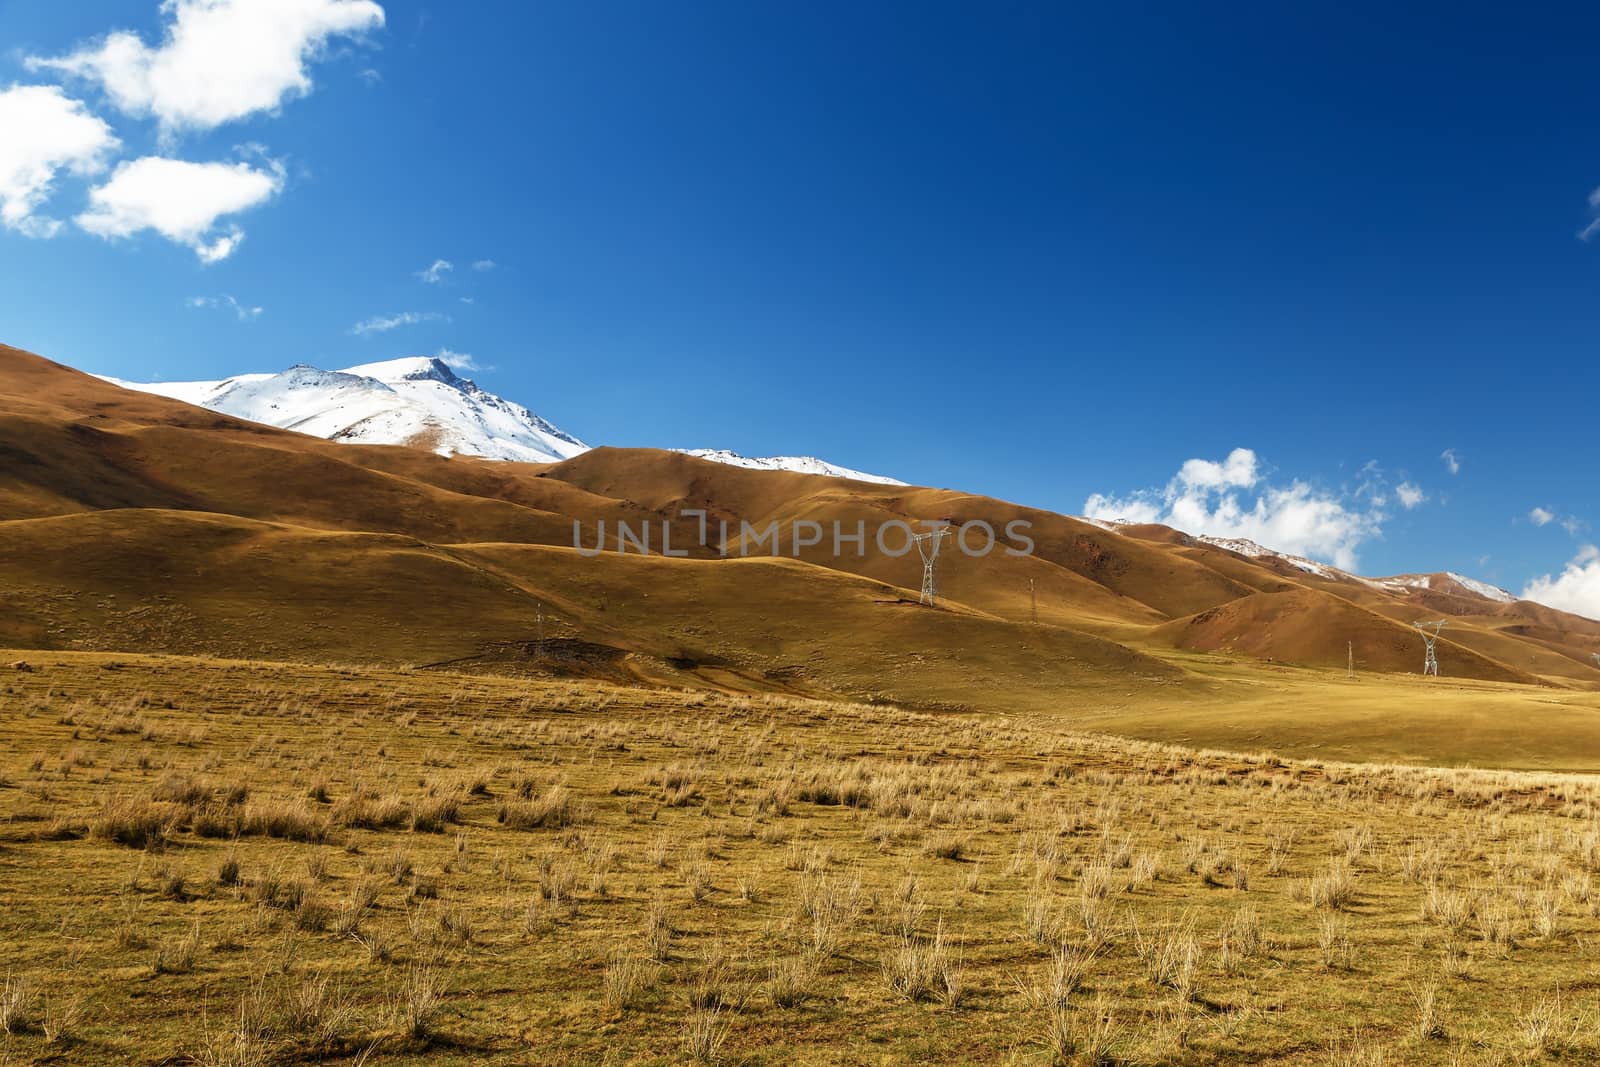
(415, 401)
(410, 369)
(796, 464)
(421, 401)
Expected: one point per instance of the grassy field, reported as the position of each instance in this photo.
(1238, 703)
(240, 863)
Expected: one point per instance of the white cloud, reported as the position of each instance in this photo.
(1238, 470)
(1410, 495)
(1571, 523)
(1230, 499)
(484, 264)
(1594, 223)
(460, 360)
(243, 312)
(219, 60)
(385, 323)
(1452, 460)
(435, 274)
(1575, 589)
(180, 200)
(45, 132)
(1140, 508)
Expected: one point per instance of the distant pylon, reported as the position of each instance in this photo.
(928, 549)
(1033, 605)
(1430, 637)
(1352, 659)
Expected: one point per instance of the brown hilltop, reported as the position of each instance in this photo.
(1316, 628)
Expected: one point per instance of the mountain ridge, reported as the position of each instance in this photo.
(422, 402)
(136, 522)
(1446, 582)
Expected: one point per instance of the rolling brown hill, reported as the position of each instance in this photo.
(1314, 627)
(133, 522)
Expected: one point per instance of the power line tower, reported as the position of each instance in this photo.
(1033, 605)
(1430, 637)
(928, 548)
(1352, 669)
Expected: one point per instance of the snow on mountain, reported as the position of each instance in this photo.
(414, 401)
(797, 464)
(420, 401)
(1238, 544)
(1245, 547)
(1483, 589)
(1447, 582)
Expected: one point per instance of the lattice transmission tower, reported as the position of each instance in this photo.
(1430, 637)
(928, 548)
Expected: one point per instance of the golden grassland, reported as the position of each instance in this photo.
(247, 863)
(1238, 703)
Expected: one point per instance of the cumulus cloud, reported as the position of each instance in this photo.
(1410, 495)
(435, 274)
(1575, 589)
(45, 132)
(1237, 471)
(1541, 516)
(182, 201)
(484, 264)
(1232, 499)
(219, 60)
(385, 323)
(243, 312)
(1452, 460)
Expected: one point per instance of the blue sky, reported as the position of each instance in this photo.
(1043, 252)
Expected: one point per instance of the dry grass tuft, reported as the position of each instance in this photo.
(19, 1005)
(419, 1002)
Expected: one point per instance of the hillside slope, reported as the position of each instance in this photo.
(133, 520)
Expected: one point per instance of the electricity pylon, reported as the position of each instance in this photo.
(1430, 637)
(928, 548)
